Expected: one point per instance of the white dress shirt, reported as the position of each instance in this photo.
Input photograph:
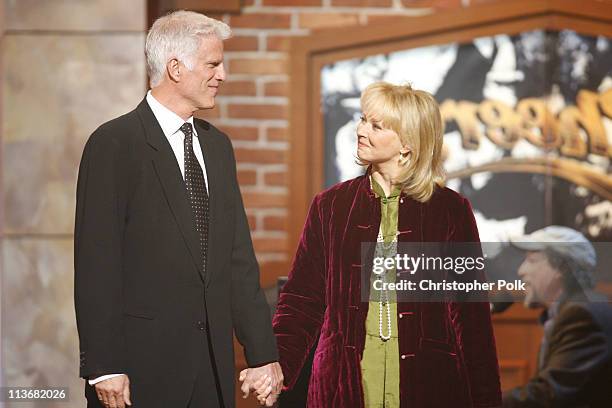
(170, 124)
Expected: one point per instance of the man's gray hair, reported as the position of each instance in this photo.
(575, 275)
(178, 35)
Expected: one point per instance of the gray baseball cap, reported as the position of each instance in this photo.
(563, 240)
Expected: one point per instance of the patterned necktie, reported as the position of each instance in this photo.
(196, 190)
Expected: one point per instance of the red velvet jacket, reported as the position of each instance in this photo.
(447, 350)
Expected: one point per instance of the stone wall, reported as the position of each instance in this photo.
(68, 66)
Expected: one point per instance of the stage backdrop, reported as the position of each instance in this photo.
(508, 102)
(528, 125)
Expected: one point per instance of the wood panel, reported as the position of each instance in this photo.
(210, 6)
(513, 373)
(157, 8)
(517, 336)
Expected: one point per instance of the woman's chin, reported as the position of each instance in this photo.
(363, 155)
(363, 160)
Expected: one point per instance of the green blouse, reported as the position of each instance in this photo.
(380, 368)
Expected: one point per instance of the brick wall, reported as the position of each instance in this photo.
(253, 104)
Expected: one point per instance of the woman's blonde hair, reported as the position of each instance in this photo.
(415, 116)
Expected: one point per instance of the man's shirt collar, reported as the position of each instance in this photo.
(169, 121)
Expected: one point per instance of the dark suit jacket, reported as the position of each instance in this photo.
(141, 299)
(577, 366)
(447, 349)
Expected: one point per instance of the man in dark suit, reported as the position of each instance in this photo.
(575, 361)
(165, 271)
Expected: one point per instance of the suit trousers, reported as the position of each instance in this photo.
(207, 389)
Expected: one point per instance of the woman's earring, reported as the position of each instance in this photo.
(403, 160)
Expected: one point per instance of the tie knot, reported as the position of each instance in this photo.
(187, 129)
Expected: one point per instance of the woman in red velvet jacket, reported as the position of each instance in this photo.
(447, 352)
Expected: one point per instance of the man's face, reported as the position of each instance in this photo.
(199, 86)
(542, 282)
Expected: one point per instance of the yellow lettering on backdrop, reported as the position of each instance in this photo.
(538, 124)
(501, 121)
(576, 131)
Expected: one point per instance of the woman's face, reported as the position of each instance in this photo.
(377, 144)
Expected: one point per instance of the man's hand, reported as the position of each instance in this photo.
(114, 392)
(266, 381)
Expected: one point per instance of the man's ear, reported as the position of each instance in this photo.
(174, 68)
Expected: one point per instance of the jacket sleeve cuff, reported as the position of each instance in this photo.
(259, 358)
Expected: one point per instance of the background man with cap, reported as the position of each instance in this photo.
(575, 360)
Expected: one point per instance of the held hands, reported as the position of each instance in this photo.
(266, 381)
(114, 392)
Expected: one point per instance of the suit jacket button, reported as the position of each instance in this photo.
(200, 325)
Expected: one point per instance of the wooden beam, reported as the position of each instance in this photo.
(157, 8)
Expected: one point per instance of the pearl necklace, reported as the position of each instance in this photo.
(383, 300)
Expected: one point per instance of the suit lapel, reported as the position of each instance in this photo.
(171, 179)
(211, 154)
